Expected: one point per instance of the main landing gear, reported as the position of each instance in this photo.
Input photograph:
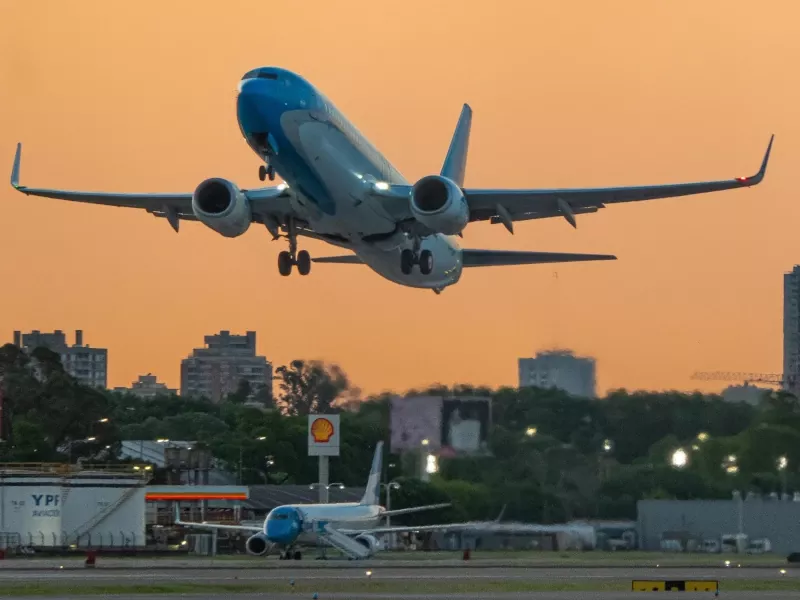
(286, 260)
(266, 171)
(289, 555)
(409, 258)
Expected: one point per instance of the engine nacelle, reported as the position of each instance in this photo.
(221, 205)
(257, 545)
(370, 542)
(439, 204)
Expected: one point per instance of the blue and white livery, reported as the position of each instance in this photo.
(351, 527)
(339, 188)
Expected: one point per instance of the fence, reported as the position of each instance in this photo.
(95, 540)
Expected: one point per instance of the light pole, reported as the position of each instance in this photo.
(392, 485)
(322, 486)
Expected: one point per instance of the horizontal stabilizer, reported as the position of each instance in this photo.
(350, 259)
(496, 258)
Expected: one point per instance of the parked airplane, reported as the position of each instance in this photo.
(339, 189)
(351, 527)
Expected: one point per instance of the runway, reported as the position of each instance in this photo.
(105, 575)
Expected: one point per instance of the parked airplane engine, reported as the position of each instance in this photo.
(221, 205)
(439, 204)
(257, 545)
(370, 542)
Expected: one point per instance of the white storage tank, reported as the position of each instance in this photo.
(87, 508)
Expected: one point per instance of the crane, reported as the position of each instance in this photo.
(785, 381)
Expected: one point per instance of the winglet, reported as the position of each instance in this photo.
(15, 168)
(455, 163)
(756, 179)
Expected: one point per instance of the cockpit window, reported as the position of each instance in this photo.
(260, 74)
(280, 517)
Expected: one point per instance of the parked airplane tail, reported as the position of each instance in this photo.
(372, 492)
(455, 163)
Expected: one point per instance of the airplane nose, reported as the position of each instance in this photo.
(253, 104)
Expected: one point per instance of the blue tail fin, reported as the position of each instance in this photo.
(455, 163)
(372, 492)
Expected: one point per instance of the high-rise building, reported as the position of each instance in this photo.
(216, 370)
(147, 386)
(88, 365)
(791, 323)
(559, 369)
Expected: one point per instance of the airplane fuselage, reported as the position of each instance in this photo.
(331, 167)
(292, 524)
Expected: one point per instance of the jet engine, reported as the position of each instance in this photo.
(257, 545)
(221, 205)
(370, 542)
(439, 204)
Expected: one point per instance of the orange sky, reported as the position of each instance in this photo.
(141, 97)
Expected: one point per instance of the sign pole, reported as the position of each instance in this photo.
(323, 442)
(323, 479)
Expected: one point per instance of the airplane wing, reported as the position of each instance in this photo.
(494, 258)
(245, 528)
(350, 259)
(267, 203)
(508, 205)
(493, 527)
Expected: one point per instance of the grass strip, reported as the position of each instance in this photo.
(367, 586)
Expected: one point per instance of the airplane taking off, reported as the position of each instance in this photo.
(351, 527)
(339, 189)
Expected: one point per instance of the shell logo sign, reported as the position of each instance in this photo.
(322, 430)
(323, 435)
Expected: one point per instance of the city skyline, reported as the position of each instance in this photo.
(639, 95)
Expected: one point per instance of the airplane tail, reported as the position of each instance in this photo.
(455, 163)
(371, 495)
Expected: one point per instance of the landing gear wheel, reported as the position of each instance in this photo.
(285, 263)
(262, 172)
(406, 261)
(271, 174)
(303, 262)
(298, 555)
(426, 262)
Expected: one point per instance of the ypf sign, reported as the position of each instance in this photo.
(323, 435)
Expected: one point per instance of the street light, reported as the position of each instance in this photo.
(679, 458)
(531, 431)
(783, 463)
(431, 464)
(702, 436)
(608, 445)
(328, 486)
(730, 465)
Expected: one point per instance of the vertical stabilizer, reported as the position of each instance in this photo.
(372, 492)
(455, 163)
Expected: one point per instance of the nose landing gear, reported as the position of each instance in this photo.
(409, 258)
(266, 171)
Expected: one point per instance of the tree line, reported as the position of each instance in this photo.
(553, 457)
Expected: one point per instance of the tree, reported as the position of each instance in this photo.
(310, 387)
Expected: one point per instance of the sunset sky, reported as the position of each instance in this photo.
(140, 96)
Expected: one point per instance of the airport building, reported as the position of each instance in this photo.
(88, 365)
(561, 370)
(704, 525)
(216, 370)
